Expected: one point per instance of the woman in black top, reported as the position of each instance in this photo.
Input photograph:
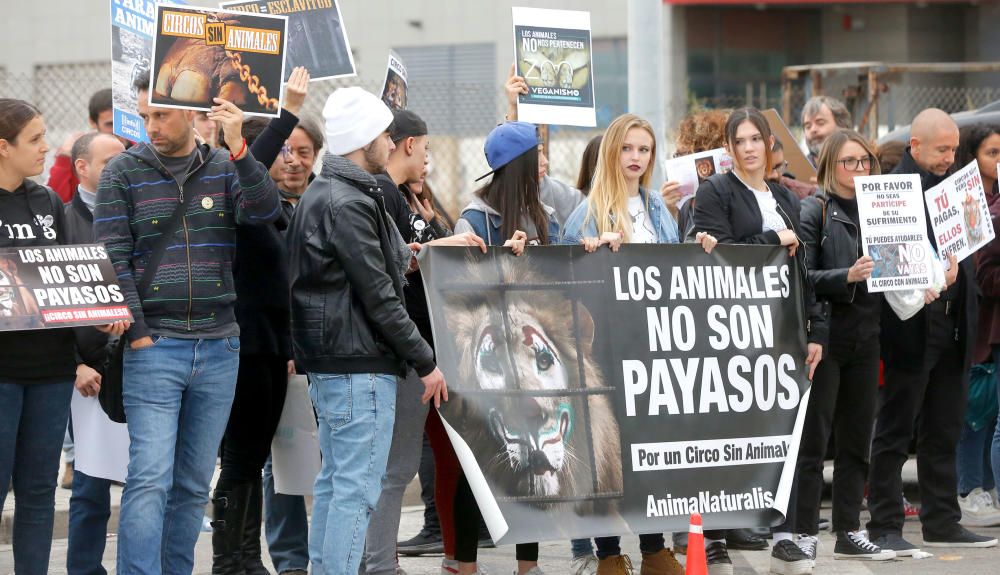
(742, 207)
(37, 366)
(843, 396)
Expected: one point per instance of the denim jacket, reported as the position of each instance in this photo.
(577, 228)
(487, 223)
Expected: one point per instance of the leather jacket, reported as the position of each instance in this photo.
(346, 256)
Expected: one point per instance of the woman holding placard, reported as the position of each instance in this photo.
(845, 386)
(742, 207)
(37, 366)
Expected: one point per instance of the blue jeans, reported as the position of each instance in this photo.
(177, 397)
(286, 526)
(32, 424)
(973, 459)
(581, 548)
(355, 413)
(89, 511)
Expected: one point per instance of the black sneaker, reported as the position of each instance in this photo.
(717, 557)
(823, 524)
(788, 559)
(958, 536)
(896, 543)
(423, 543)
(855, 545)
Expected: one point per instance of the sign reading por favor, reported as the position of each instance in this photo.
(132, 25)
(552, 51)
(317, 38)
(894, 231)
(598, 394)
(959, 213)
(200, 54)
(394, 88)
(691, 170)
(58, 286)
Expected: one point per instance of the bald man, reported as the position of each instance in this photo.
(927, 360)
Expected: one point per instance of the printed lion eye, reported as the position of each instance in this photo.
(544, 358)
(487, 356)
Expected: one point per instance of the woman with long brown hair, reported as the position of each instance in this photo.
(742, 207)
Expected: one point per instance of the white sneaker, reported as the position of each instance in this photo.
(449, 567)
(809, 546)
(586, 565)
(536, 570)
(978, 510)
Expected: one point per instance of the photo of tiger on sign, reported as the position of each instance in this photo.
(202, 54)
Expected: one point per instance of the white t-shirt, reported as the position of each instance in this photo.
(771, 219)
(642, 228)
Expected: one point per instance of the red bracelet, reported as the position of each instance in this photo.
(240, 154)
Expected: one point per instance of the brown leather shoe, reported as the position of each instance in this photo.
(615, 565)
(662, 562)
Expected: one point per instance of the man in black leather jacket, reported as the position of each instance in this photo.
(350, 328)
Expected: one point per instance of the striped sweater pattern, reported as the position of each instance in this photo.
(192, 293)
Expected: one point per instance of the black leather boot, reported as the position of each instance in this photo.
(252, 564)
(228, 516)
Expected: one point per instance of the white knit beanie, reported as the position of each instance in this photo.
(354, 117)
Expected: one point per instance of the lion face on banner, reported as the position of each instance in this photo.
(535, 443)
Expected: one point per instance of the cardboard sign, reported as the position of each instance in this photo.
(317, 38)
(798, 164)
(394, 87)
(894, 231)
(200, 54)
(960, 214)
(552, 51)
(58, 286)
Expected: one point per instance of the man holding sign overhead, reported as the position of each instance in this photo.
(926, 373)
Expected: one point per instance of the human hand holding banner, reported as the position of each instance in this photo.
(597, 394)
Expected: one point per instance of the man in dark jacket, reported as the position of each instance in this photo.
(927, 360)
(90, 504)
(350, 328)
(180, 367)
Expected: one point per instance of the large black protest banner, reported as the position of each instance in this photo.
(58, 286)
(597, 394)
(317, 38)
(200, 54)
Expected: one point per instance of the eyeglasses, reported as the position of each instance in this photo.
(855, 164)
(780, 168)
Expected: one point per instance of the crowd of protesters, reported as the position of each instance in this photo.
(245, 257)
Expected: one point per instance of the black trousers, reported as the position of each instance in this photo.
(936, 391)
(842, 401)
(261, 384)
(467, 521)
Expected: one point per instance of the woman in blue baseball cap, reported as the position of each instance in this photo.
(509, 202)
(506, 211)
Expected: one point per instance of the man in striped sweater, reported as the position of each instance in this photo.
(181, 362)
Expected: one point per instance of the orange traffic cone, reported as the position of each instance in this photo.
(696, 563)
